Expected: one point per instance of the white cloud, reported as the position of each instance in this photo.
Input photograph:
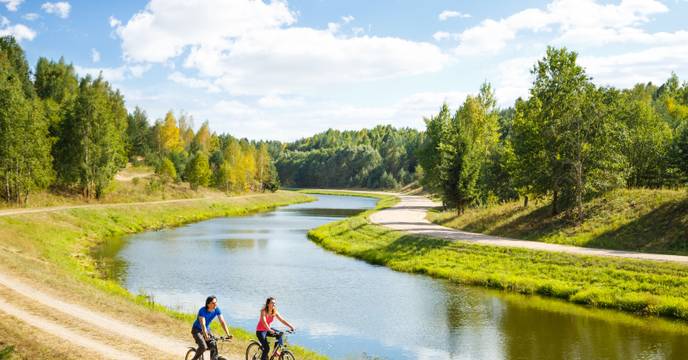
(110, 74)
(95, 55)
(31, 16)
(333, 27)
(60, 9)
(12, 5)
(578, 22)
(276, 101)
(138, 70)
(114, 22)
(164, 28)
(441, 35)
(113, 74)
(251, 47)
(347, 19)
(301, 59)
(194, 83)
(19, 31)
(447, 14)
(624, 70)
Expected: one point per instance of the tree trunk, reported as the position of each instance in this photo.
(555, 200)
(525, 201)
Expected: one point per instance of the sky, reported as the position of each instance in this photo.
(283, 70)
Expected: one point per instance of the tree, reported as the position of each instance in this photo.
(169, 134)
(16, 60)
(429, 150)
(198, 171)
(137, 133)
(167, 171)
(467, 143)
(25, 161)
(647, 139)
(91, 149)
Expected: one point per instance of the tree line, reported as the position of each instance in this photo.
(381, 157)
(568, 141)
(74, 133)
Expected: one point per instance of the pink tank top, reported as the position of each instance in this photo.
(261, 326)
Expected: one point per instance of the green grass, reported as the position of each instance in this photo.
(641, 287)
(637, 219)
(53, 250)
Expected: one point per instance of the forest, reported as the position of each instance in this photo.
(69, 133)
(568, 141)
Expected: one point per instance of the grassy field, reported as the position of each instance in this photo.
(638, 220)
(641, 287)
(52, 251)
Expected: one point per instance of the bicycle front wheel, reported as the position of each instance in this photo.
(254, 351)
(287, 355)
(190, 354)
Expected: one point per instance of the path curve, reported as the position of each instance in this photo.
(409, 216)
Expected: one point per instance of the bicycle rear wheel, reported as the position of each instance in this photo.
(287, 355)
(190, 354)
(254, 351)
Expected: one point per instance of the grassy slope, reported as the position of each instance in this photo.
(628, 285)
(639, 220)
(52, 251)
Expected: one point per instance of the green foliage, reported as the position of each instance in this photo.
(198, 171)
(6, 352)
(348, 158)
(16, 61)
(91, 149)
(167, 171)
(25, 161)
(137, 133)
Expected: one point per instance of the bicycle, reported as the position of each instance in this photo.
(217, 342)
(254, 350)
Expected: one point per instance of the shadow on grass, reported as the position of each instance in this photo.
(662, 230)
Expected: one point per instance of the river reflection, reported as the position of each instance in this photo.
(346, 308)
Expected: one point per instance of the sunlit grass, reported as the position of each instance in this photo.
(637, 219)
(641, 287)
(54, 249)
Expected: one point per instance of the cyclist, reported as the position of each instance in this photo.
(263, 330)
(201, 328)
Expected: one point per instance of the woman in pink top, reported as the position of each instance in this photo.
(267, 314)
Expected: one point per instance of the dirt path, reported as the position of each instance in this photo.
(409, 216)
(9, 212)
(87, 317)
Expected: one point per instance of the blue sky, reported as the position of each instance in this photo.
(284, 70)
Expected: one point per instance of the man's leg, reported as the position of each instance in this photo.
(202, 346)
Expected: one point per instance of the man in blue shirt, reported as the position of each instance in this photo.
(201, 328)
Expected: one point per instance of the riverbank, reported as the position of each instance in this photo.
(640, 287)
(52, 252)
(644, 220)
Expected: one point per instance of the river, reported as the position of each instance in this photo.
(348, 309)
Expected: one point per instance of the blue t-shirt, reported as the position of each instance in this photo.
(208, 315)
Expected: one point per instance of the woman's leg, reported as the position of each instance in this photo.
(263, 338)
